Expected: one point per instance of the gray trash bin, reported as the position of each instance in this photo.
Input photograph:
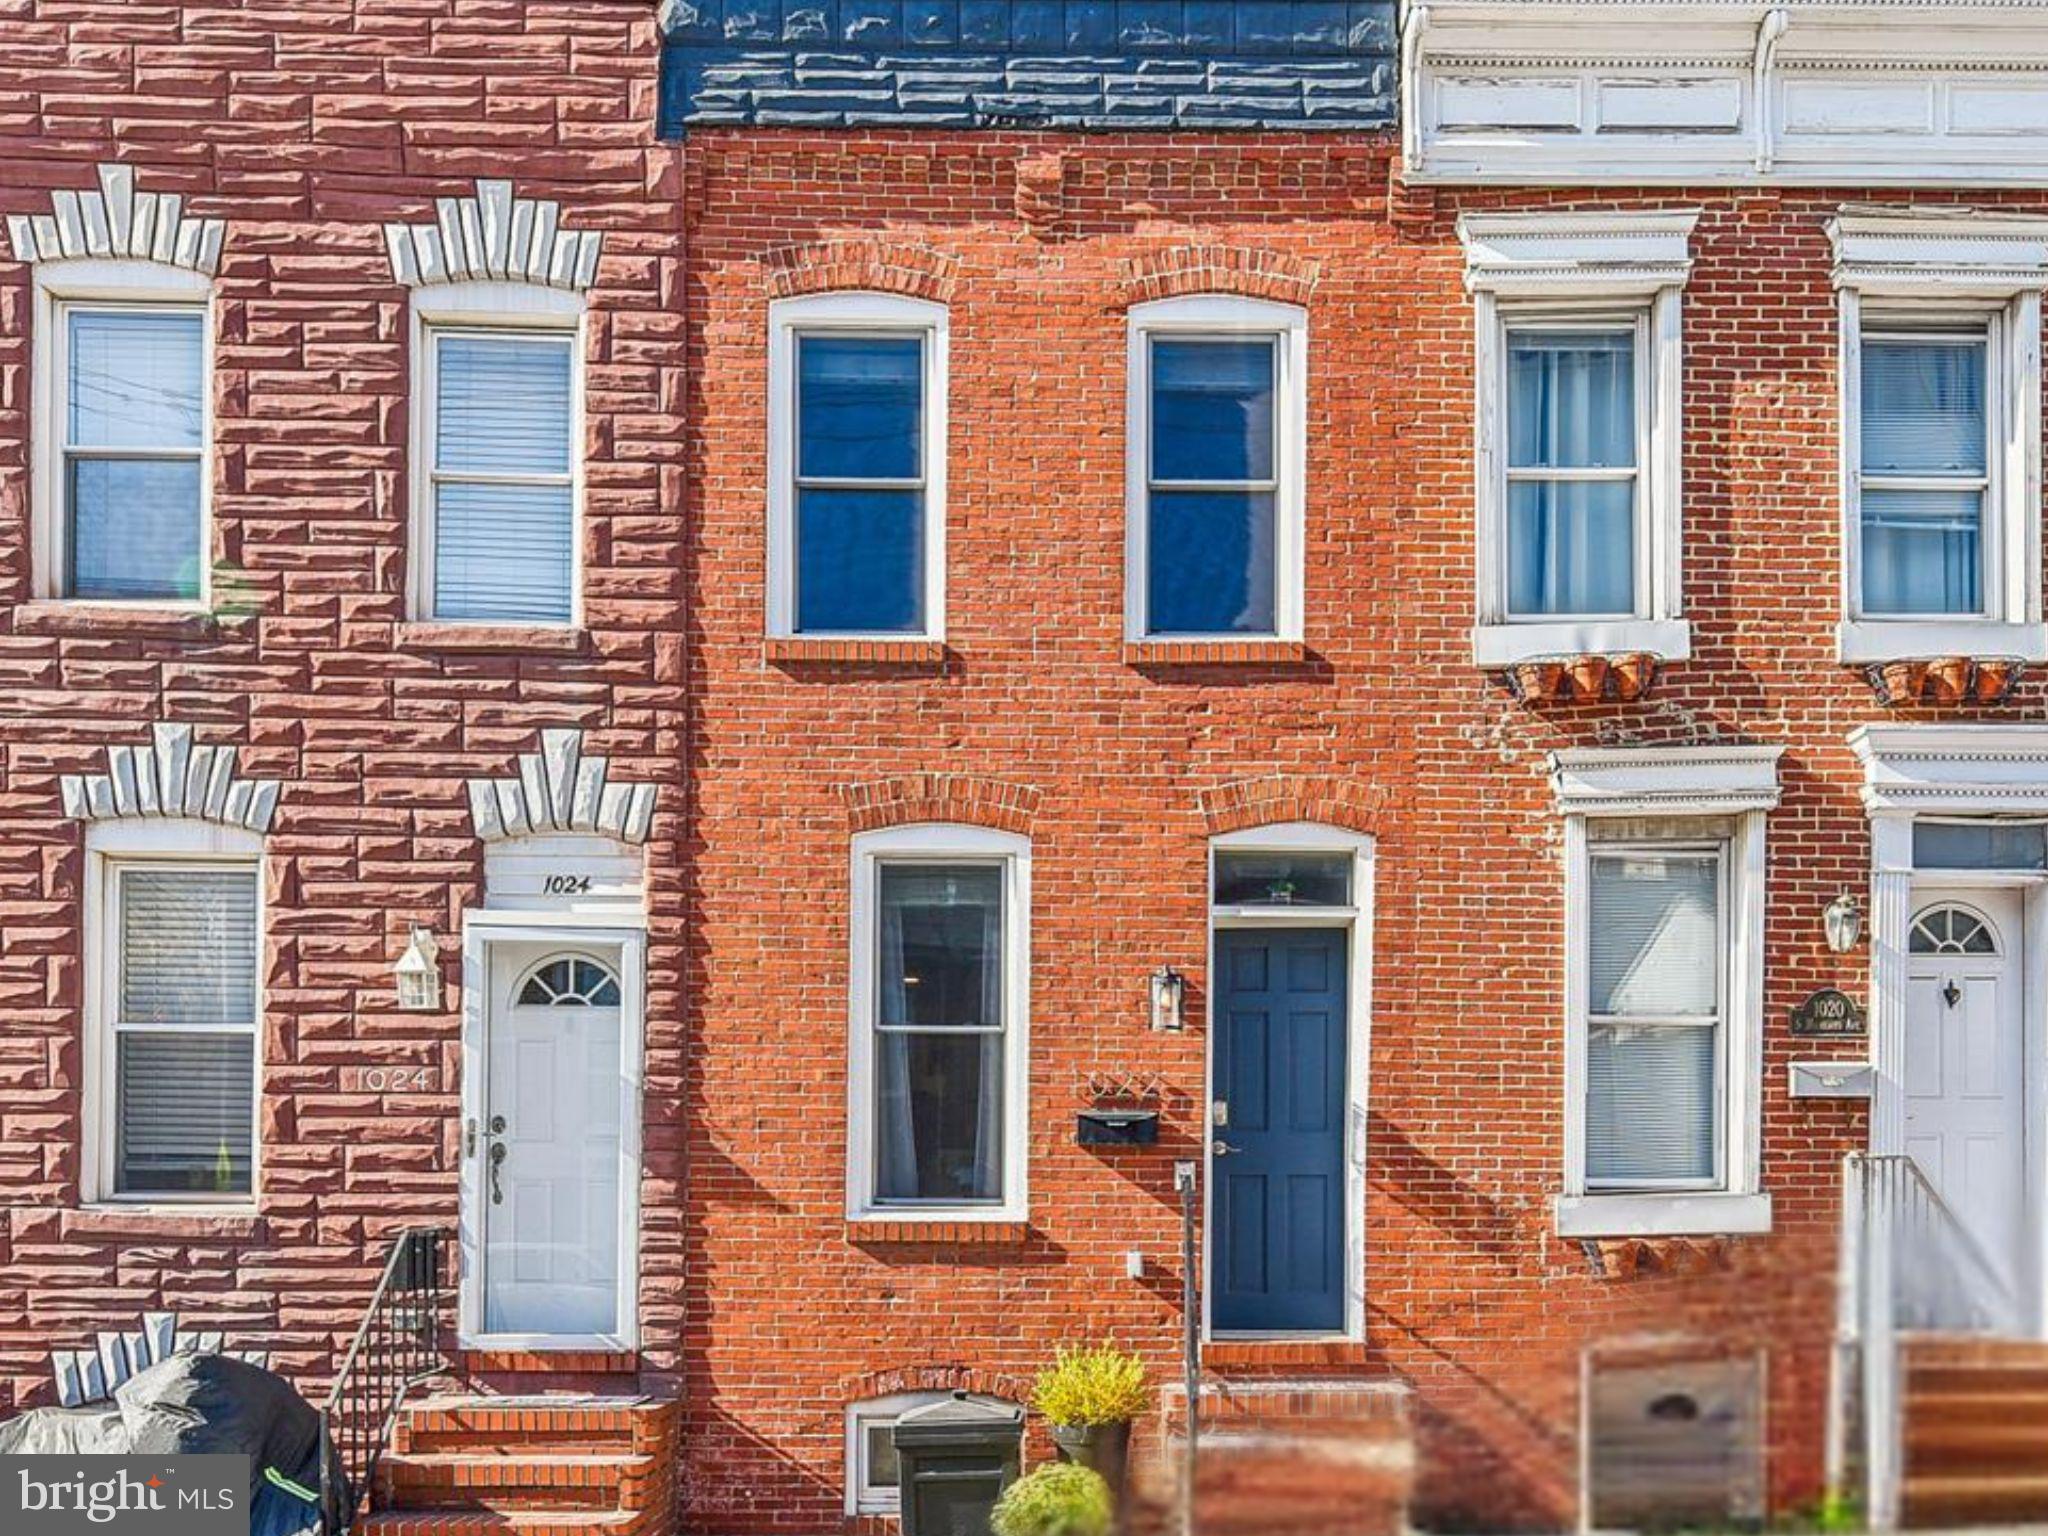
(954, 1460)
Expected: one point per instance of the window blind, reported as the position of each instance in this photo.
(185, 1047)
(1654, 1036)
(1924, 474)
(133, 431)
(504, 499)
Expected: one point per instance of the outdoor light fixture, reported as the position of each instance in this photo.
(1169, 991)
(419, 973)
(1844, 922)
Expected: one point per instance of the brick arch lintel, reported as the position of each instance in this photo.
(874, 265)
(1265, 802)
(923, 797)
(1178, 271)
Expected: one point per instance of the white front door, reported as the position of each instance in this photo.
(550, 1143)
(1965, 1077)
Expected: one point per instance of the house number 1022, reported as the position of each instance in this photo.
(565, 885)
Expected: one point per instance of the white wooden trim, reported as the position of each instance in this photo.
(163, 842)
(1559, 269)
(859, 1417)
(1302, 836)
(108, 283)
(1226, 315)
(481, 930)
(938, 843)
(1952, 769)
(486, 309)
(1664, 781)
(855, 312)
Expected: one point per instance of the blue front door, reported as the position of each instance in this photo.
(1277, 1171)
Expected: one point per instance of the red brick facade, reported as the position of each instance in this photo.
(307, 130)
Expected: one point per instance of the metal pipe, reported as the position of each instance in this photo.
(1184, 1179)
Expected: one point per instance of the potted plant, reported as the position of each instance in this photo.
(1061, 1499)
(1090, 1395)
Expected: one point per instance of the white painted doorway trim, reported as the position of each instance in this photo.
(1356, 920)
(480, 931)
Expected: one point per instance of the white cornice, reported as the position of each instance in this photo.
(173, 776)
(558, 789)
(1664, 781)
(1931, 769)
(1910, 250)
(493, 237)
(1535, 253)
(117, 223)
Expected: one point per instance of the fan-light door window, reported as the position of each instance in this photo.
(1657, 933)
(182, 1000)
(133, 443)
(1925, 473)
(1573, 470)
(502, 481)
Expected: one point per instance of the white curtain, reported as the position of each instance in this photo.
(1571, 406)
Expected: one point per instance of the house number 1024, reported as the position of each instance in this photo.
(565, 885)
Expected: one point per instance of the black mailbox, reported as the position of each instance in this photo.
(1119, 1127)
(954, 1460)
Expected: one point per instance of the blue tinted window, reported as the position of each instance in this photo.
(860, 497)
(1210, 551)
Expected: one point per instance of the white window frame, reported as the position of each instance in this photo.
(61, 287)
(938, 843)
(1222, 317)
(1572, 271)
(857, 313)
(155, 843)
(1680, 798)
(488, 309)
(2010, 621)
(860, 1418)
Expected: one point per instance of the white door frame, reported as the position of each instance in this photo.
(1356, 920)
(480, 931)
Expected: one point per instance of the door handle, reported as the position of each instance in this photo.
(497, 1161)
(1221, 1148)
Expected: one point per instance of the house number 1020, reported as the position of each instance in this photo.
(565, 885)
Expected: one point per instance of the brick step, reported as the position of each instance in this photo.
(1936, 1351)
(582, 1482)
(1251, 1482)
(1939, 1450)
(1976, 1499)
(511, 1427)
(1929, 1381)
(1971, 1410)
(490, 1522)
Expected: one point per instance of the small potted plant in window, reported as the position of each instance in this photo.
(1056, 1500)
(1090, 1395)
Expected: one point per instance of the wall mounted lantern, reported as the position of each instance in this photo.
(1844, 922)
(419, 973)
(1169, 993)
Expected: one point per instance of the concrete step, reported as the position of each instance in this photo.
(580, 1482)
(1976, 1499)
(517, 1426)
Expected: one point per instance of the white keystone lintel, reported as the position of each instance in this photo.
(1908, 251)
(1664, 781)
(1538, 253)
(173, 776)
(116, 223)
(558, 789)
(493, 237)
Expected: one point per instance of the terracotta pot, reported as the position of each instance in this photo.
(1633, 675)
(1948, 679)
(1538, 682)
(1902, 680)
(1103, 1448)
(1589, 677)
(1995, 678)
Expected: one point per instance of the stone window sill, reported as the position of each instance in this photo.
(168, 621)
(1504, 645)
(1866, 642)
(154, 1223)
(436, 635)
(1663, 1215)
(1214, 653)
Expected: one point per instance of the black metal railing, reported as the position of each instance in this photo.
(397, 1348)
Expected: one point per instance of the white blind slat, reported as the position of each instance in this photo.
(1656, 943)
(188, 946)
(187, 1112)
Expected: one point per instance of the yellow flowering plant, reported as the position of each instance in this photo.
(1092, 1384)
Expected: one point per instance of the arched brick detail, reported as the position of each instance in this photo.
(935, 1378)
(1181, 270)
(960, 797)
(867, 266)
(1289, 797)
